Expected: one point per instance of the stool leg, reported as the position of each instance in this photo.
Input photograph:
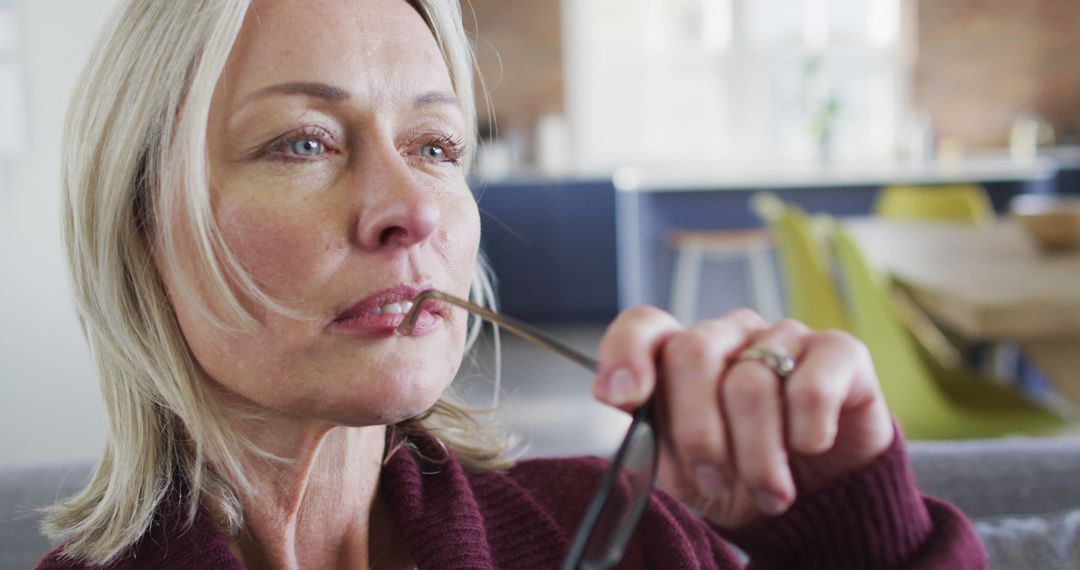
(763, 284)
(684, 285)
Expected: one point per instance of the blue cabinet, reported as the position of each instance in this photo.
(551, 245)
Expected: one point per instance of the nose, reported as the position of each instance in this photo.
(399, 210)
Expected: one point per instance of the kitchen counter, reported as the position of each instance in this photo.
(996, 167)
(554, 240)
(653, 203)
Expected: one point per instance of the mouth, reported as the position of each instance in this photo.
(382, 312)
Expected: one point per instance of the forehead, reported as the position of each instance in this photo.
(372, 48)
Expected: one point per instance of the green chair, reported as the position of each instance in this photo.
(957, 203)
(810, 290)
(929, 404)
(961, 203)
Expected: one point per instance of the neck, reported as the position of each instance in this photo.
(320, 507)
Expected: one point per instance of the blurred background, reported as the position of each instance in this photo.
(627, 147)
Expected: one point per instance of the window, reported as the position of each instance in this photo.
(731, 81)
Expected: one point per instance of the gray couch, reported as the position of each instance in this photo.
(1023, 494)
(22, 491)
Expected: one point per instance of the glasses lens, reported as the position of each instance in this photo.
(629, 495)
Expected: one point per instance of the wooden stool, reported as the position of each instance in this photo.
(752, 247)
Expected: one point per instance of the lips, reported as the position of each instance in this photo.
(379, 314)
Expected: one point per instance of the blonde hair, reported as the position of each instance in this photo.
(137, 126)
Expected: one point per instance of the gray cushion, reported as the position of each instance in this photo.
(1018, 543)
(1023, 495)
(987, 478)
(24, 490)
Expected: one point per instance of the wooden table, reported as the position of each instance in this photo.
(988, 281)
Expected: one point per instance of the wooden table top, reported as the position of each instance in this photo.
(988, 281)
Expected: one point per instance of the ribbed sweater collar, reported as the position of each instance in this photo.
(451, 519)
(435, 509)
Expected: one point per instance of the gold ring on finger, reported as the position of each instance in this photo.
(781, 362)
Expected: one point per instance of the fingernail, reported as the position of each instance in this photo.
(770, 503)
(621, 386)
(712, 480)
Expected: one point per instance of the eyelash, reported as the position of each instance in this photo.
(278, 149)
(453, 146)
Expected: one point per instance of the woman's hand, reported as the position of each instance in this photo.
(736, 437)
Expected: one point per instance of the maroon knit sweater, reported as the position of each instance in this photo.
(524, 518)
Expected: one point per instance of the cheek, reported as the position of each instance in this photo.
(463, 236)
(289, 256)
(285, 255)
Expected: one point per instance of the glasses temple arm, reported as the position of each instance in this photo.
(511, 324)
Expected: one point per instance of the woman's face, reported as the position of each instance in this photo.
(334, 145)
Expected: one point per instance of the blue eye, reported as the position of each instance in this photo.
(433, 151)
(307, 147)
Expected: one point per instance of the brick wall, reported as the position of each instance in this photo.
(520, 56)
(980, 62)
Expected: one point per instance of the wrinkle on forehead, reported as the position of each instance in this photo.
(379, 22)
(343, 10)
(343, 38)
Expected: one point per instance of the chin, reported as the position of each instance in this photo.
(391, 400)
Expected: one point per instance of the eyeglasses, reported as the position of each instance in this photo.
(624, 490)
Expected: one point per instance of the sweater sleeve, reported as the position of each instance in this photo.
(874, 518)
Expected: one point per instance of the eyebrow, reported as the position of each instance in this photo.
(437, 98)
(333, 93)
(309, 88)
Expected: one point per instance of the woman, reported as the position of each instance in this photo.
(255, 194)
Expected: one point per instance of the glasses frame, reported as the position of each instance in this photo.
(642, 418)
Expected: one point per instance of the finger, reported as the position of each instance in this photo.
(754, 408)
(626, 373)
(670, 475)
(693, 363)
(818, 389)
(746, 318)
(851, 396)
